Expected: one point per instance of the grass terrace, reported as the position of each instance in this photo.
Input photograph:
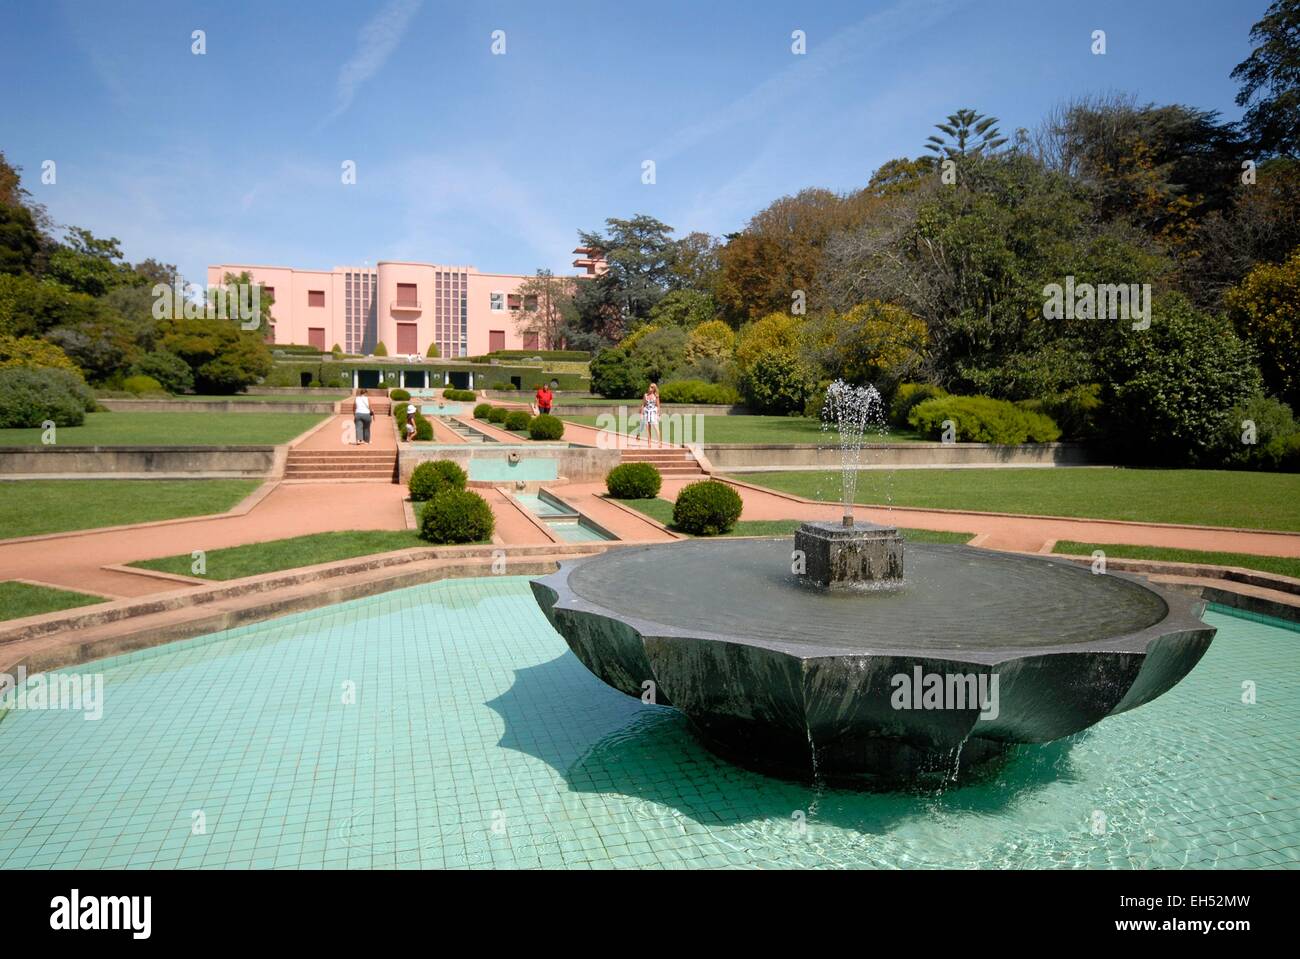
(25, 599)
(1283, 566)
(281, 554)
(174, 429)
(37, 507)
(1194, 497)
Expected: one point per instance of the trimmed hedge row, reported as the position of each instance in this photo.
(698, 391)
(464, 396)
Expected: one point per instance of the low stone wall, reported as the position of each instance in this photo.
(576, 464)
(770, 456)
(634, 409)
(210, 461)
(216, 406)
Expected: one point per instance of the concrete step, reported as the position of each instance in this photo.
(357, 457)
(332, 470)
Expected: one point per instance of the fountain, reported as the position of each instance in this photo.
(821, 659)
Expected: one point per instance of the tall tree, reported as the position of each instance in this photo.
(1270, 81)
(639, 252)
(966, 133)
(547, 304)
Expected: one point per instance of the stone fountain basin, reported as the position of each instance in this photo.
(784, 677)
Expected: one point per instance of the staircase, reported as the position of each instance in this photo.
(380, 404)
(361, 464)
(467, 433)
(672, 462)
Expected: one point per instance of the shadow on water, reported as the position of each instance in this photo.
(604, 742)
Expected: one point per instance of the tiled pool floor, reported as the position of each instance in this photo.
(474, 738)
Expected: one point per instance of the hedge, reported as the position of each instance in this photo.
(423, 428)
(707, 508)
(498, 414)
(456, 516)
(981, 419)
(464, 396)
(633, 481)
(399, 394)
(906, 397)
(482, 410)
(517, 420)
(546, 427)
(140, 383)
(698, 391)
(430, 478)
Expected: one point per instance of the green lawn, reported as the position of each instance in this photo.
(174, 429)
(1268, 564)
(23, 599)
(722, 429)
(279, 554)
(661, 510)
(1200, 497)
(33, 507)
(325, 396)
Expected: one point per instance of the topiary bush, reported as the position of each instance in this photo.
(482, 410)
(30, 397)
(497, 414)
(707, 508)
(399, 395)
(980, 419)
(546, 427)
(633, 481)
(517, 420)
(456, 516)
(463, 396)
(434, 477)
(142, 384)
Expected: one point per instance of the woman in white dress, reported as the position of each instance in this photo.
(650, 415)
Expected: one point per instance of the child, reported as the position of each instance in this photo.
(410, 424)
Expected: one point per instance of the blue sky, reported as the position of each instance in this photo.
(464, 157)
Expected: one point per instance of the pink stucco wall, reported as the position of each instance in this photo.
(437, 317)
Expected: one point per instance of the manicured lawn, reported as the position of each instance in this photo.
(325, 396)
(23, 599)
(661, 510)
(1198, 497)
(1268, 564)
(722, 429)
(174, 429)
(33, 507)
(279, 554)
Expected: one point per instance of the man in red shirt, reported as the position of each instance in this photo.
(544, 398)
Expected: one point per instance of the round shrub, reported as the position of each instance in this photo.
(456, 516)
(399, 395)
(517, 420)
(546, 427)
(142, 384)
(29, 397)
(463, 396)
(497, 414)
(633, 481)
(482, 410)
(431, 478)
(707, 508)
(698, 391)
(168, 369)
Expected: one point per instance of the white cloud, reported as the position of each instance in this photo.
(375, 44)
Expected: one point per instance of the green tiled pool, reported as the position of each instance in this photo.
(474, 738)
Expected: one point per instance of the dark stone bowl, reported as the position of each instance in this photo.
(880, 688)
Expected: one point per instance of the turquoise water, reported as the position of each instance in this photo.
(447, 409)
(476, 739)
(578, 532)
(501, 470)
(539, 505)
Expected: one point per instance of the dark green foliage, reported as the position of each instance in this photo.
(517, 420)
(167, 368)
(399, 395)
(698, 391)
(777, 382)
(497, 414)
(456, 516)
(633, 481)
(482, 410)
(907, 396)
(428, 479)
(707, 508)
(30, 397)
(617, 375)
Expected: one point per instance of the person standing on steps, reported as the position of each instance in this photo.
(361, 418)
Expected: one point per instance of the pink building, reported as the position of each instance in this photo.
(405, 306)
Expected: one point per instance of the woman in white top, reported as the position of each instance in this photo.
(361, 419)
(650, 414)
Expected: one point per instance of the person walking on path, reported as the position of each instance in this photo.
(650, 415)
(361, 419)
(544, 399)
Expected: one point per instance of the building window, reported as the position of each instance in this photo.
(497, 302)
(513, 301)
(406, 294)
(530, 302)
(315, 297)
